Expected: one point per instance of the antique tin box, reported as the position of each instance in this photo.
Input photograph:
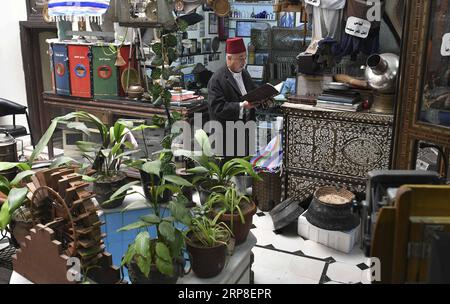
(104, 72)
(61, 69)
(80, 70)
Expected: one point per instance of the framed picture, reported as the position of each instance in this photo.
(213, 25)
(394, 16)
(256, 71)
(206, 45)
(286, 19)
(244, 28)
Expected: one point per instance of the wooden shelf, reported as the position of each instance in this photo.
(198, 54)
(268, 3)
(252, 19)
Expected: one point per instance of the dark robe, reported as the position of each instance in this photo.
(224, 97)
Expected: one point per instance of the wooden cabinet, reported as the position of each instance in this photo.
(323, 148)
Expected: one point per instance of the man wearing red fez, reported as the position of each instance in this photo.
(227, 86)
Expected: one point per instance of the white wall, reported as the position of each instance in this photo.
(12, 80)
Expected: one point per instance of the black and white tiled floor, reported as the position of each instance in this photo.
(286, 258)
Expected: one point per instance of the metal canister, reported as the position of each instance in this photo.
(8, 153)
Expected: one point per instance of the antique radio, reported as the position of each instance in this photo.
(80, 70)
(61, 69)
(105, 72)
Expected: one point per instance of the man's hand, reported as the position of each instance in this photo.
(247, 105)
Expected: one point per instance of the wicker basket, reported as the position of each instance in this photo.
(267, 193)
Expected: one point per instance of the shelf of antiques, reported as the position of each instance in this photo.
(325, 147)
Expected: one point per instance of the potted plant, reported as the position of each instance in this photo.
(158, 258)
(107, 156)
(207, 244)
(210, 170)
(235, 210)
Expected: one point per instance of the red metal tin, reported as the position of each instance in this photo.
(80, 70)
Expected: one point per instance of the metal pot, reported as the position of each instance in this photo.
(331, 209)
(135, 91)
(8, 153)
(381, 72)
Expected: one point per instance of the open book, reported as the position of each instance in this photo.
(263, 93)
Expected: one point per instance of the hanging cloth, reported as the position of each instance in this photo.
(270, 159)
(326, 22)
(351, 45)
(75, 10)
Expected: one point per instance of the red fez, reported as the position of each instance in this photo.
(235, 46)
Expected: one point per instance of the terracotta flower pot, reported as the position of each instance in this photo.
(240, 230)
(207, 262)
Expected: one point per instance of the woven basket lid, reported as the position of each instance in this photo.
(221, 8)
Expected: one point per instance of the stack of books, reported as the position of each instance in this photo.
(339, 100)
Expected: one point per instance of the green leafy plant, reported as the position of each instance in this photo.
(227, 201)
(209, 168)
(113, 148)
(208, 232)
(165, 249)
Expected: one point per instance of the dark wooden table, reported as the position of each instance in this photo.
(109, 110)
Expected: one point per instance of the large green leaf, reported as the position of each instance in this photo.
(144, 127)
(16, 198)
(119, 131)
(5, 216)
(164, 267)
(62, 160)
(144, 264)
(202, 139)
(7, 166)
(123, 189)
(153, 167)
(44, 140)
(4, 185)
(23, 166)
(87, 146)
(163, 252)
(142, 244)
(19, 177)
(177, 180)
(198, 170)
(136, 225)
(167, 231)
(171, 40)
(157, 47)
(151, 219)
(81, 126)
(129, 255)
(157, 61)
(156, 74)
(180, 213)
(178, 244)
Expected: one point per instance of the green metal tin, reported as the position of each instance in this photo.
(104, 72)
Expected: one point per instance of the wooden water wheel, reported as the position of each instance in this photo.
(59, 201)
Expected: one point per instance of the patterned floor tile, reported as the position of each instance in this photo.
(344, 273)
